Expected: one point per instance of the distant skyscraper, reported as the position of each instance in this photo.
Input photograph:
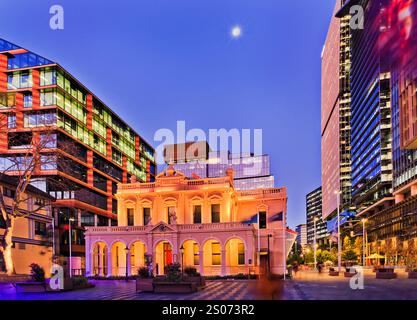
(335, 113)
(197, 160)
(314, 211)
(301, 239)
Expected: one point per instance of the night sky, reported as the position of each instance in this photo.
(158, 61)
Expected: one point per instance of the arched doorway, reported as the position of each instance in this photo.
(137, 256)
(212, 250)
(118, 259)
(235, 256)
(163, 257)
(191, 254)
(100, 259)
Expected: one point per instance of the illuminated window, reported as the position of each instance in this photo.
(216, 258)
(241, 253)
(196, 254)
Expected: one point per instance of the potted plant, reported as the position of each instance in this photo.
(144, 282)
(173, 282)
(36, 282)
(350, 272)
(385, 273)
(333, 272)
(192, 275)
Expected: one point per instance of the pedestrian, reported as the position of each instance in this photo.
(295, 269)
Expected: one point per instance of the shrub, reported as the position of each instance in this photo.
(191, 272)
(173, 272)
(144, 273)
(37, 274)
(79, 281)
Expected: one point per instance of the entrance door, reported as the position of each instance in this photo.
(168, 259)
(263, 270)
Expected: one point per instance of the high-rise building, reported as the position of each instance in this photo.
(336, 113)
(314, 214)
(371, 138)
(384, 165)
(301, 239)
(38, 95)
(197, 160)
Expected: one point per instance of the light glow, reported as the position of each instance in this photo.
(236, 32)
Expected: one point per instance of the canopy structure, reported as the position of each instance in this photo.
(375, 256)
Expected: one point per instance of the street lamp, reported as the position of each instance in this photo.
(127, 258)
(339, 243)
(70, 246)
(363, 242)
(315, 242)
(269, 255)
(182, 260)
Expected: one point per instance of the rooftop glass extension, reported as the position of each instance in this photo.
(6, 46)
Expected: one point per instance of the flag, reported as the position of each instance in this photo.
(277, 217)
(253, 219)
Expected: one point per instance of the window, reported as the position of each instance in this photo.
(215, 213)
(11, 121)
(196, 254)
(114, 206)
(9, 193)
(130, 217)
(47, 77)
(2, 225)
(146, 216)
(102, 221)
(197, 214)
(87, 219)
(40, 228)
(241, 253)
(27, 100)
(262, 220)
(216, 259)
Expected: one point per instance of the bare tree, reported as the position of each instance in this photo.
(34, 150)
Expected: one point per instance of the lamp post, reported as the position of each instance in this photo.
(269, 255)
(182, 260)
(339, 243)
(127, 257)
(363, 242)
(315, 242)
(70, 246)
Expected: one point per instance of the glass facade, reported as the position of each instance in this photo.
(314, 211)
(370, 113)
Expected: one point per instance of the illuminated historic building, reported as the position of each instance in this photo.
(37, 95)
(214, 225)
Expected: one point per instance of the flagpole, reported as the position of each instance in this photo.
(259, 245)
(284, 238)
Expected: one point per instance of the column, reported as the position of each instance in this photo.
(201, 261)
(109, 271)
(223, 267)
(100, 261)
(88, 259)
(128, 263)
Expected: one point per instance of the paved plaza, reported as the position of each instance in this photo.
(305, 286)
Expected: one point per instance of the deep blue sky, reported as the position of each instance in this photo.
(158, 61)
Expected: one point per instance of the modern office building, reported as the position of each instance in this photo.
(197, 160)
(384, 81)
(335, 117)
(202, 223)
(315, 217)
(38, 97)
(301, 240)
(371, 136)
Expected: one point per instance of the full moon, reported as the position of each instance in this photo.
(236, 31)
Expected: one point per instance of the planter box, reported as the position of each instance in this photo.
(350, 274)
(385, 274)
(412, 274)
(175, 287)
(334, 273)
(30, 287)
(200, 281)
(144, 285)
